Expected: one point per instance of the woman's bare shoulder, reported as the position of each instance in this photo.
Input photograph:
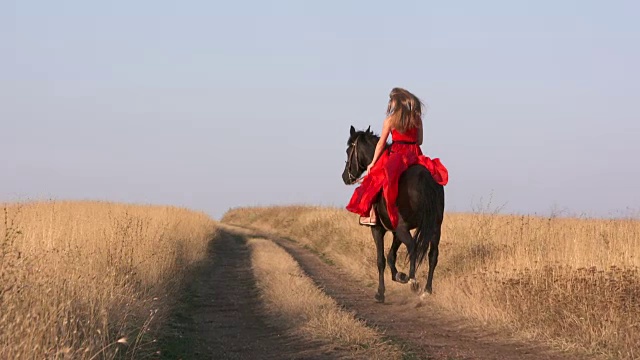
(387, 122)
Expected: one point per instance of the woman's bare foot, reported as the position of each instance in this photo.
(372, 216)
(367, 221)
(371, 220)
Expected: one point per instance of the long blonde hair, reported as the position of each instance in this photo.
(405, 109)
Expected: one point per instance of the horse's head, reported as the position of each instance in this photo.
(360, 148)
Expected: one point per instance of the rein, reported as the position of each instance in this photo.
(354, 150)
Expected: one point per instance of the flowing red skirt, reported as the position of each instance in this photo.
(385, 175)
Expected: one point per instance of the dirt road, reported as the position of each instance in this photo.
(221, 317)
(225, 321)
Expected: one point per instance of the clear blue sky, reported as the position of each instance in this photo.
(213, 105)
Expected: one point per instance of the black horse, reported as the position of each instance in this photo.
(420, 206)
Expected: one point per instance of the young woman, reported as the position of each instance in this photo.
(404, 124)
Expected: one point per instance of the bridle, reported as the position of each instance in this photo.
(353, 154)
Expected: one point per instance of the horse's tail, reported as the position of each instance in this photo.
(432, 196)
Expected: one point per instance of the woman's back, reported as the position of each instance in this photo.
(410, 135)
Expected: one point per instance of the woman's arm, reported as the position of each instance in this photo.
(386, 129)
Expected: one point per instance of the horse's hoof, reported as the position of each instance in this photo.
(380, 298)
(401, 278)
(424, 296)
(415, 287)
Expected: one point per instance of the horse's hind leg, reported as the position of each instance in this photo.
(433, 257)
(378, 235)
(433, 233)
(391, 260)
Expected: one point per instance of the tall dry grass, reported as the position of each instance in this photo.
(91, 280)
(571, 282)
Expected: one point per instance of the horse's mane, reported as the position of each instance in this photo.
(368, 135)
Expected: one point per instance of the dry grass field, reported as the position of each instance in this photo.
(573, 283)
(91, 280)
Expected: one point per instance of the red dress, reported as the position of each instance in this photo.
(385, 174)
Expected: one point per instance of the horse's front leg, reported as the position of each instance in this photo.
(405, 236)
(391, 260)
(378, 235)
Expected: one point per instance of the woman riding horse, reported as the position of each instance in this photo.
(411, 184)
